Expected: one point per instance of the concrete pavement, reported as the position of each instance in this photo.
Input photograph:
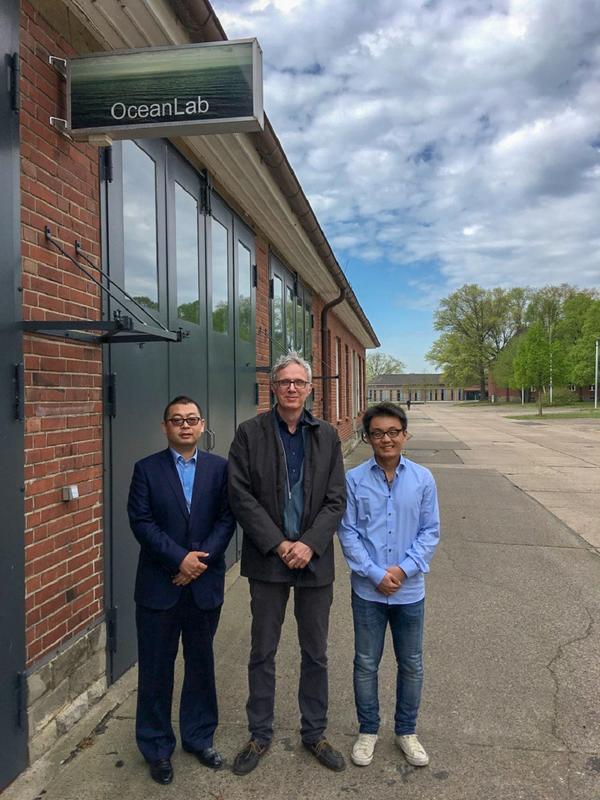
(511, 706)
(556, 461)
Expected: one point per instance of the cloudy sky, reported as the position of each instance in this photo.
(440, 142)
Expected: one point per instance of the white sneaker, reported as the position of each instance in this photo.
(362, 752)
(413, 750)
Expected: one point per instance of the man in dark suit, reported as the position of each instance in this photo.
(179, 513)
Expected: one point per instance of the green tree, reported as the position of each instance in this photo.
(582, 355)
(546, 305)
(476, 325)
(145, 301)
(561, 311)
(220, 317)
(190, 312)
(457, 356)
(538, 361)
(503, 367)
(509, 307)
(382, 364)
(575, 309)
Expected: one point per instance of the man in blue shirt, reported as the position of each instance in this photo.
(389, 533)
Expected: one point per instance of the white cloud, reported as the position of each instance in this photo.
(465, 134)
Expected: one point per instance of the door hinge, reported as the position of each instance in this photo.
(205, 193)
(256, 397)
(22, 695)
(15, 73)
(254, 275)
(271, 288)
(19, 390)
(111, 629)
(106, 164)
(110, 394)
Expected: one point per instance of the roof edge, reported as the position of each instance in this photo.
(202, 25)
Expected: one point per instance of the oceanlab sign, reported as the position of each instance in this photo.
(214, 87)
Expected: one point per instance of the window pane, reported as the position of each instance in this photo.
(186, 255)
(277, 317)
(139, 225)
(244, 292)
(289, 319)
(220, 284)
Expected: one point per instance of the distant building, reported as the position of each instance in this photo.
(418, 388)
(497, 392)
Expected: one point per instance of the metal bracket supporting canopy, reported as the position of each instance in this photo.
(131, 327)
(119, 329)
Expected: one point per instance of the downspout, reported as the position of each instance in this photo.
(325, 354)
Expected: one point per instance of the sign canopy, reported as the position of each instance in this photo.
(213, 87)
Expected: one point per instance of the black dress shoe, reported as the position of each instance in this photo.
(326, 754)
(207, 756)
(161, 771)
(248, 757)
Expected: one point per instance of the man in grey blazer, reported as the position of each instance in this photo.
(287, 490)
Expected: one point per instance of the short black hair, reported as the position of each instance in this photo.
(385, 410)
(183, 400)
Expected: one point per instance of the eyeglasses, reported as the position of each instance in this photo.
(393, 433)
(287, 382)
(179, 422)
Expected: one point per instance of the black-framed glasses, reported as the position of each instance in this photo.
(393, 433)
(179, 422)
(285, 383)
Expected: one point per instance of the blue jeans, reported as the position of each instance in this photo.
(406, 624)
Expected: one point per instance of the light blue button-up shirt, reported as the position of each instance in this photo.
(390, 525)
(187, 473)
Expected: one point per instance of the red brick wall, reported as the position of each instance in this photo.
(63, 400)
(346, 424)
(502, 392)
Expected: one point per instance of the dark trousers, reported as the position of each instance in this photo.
(158, 641)
(311, 608)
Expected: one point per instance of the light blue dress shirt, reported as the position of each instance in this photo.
(385, 526)
(187, 473)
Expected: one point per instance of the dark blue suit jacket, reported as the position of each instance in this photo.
(167, 532)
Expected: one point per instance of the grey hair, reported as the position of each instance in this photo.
(291, 358)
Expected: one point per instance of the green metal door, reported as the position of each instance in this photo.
(13, 713)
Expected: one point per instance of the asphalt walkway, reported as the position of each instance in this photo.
(511, 705)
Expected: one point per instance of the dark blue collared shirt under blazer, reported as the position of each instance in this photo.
(293, 453)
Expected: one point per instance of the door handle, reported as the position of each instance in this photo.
(210, 435)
